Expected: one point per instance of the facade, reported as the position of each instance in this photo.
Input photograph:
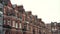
(18, 21)
(48, 28)
(15, 20)
(58, 28)
(53, 28)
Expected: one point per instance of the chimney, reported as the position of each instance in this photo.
(39, 19)
(20, 7)
(29, 12)
(35, 16)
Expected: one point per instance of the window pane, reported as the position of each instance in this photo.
(13, 23)
(20, 25)
(16, 25)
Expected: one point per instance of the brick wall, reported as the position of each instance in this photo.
(21, 21)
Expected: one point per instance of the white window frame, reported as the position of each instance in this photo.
(20, 25)
(16, 25)
(8, 22)
(13, 23)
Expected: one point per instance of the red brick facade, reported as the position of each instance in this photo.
(21, 21)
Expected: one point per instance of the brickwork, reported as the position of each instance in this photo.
(21, 21)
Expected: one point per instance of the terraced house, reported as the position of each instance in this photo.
(18, 21)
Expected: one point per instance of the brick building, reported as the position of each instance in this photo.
(18, 21)
(53, 28)
(48, 28)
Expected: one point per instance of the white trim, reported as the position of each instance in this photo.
(13, 23)
(20, 26)
(16, 25)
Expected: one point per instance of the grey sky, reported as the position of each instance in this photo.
(48, 10)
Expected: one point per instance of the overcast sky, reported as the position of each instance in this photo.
(48, 10)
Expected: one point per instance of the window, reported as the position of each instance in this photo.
(8, 12)
(0, 9)
(30, 16)
(24, 32)
(13, 23)
(9, 22)
(1, 22)
(25, 28)
(33, 31)
(54, 24)
(16, 25)
(1, 12)
(20, 17)
(29, 28)
(39, 32)
(20, 25)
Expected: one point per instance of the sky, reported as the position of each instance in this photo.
(48, 10)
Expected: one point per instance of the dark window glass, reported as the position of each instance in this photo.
(20, 17)
(24, 32)
(25, 28)
(39, 32)
(33, 31)
(0, 9)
